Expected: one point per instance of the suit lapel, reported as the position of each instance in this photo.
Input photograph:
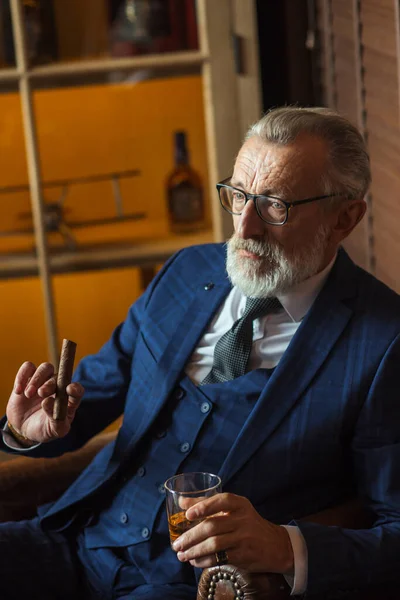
(307, 352)
(192, 325)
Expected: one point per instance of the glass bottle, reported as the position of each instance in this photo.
(184, 191)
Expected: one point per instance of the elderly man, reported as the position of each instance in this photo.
(272, 361)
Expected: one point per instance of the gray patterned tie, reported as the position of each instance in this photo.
(232, 351)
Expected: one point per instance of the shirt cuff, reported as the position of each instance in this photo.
(297, 580)
(10, 441)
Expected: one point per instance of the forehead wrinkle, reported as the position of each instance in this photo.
(260, 182)
(261, 170)
(286, 179)
(288, 172)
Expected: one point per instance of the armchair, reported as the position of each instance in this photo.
(25, 483)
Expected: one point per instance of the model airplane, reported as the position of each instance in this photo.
(54, 213)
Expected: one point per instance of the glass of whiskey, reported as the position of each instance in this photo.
(184, 490)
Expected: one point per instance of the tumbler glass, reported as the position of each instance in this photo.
(184, 490)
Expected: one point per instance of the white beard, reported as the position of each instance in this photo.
(274, 273)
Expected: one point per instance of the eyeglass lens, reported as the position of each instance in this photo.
(270, 209)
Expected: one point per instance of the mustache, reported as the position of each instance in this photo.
(262, 248)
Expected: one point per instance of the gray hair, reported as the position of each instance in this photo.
(348, 171)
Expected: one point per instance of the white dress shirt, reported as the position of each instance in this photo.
(272, 334)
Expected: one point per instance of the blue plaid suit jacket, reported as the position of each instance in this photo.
(327, 426)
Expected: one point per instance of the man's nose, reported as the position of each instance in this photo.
(249, 224)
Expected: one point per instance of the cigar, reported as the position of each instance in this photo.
(64, 376)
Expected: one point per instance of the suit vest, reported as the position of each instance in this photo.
(194, 432)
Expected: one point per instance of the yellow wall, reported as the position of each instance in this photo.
(89, 306)
(84, 131)
(95, 130)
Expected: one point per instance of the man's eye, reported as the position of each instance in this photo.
(238, 197)
(277, 206)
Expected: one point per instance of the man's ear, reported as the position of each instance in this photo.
(349, 215)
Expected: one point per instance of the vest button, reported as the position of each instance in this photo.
(185, 447)
(145, 532)
(205, 407)
(124, 518)
(161, 488)
(179, 393)
(141, 471)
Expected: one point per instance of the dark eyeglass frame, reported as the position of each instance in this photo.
(254, 197)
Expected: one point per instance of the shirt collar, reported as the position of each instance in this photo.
(300, 298)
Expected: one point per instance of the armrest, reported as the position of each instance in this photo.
(25, 482)
(226, 582)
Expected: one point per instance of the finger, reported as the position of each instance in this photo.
(48, 388)
(73, 404)
(219, 503)
(75, 391)
(209, 547)
(186, 503)
(43, 373)
(203, 563)
(211, 527)
(48, 406)
(25, 372)
(211, 560)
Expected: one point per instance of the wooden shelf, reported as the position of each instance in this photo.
(169, 60)
(7, 75)
(134, 255)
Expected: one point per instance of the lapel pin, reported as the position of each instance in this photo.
(209, 286)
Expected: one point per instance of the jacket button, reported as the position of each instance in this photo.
(161, 434)
(185, 447)
(205, 407)
(145, 533)
(141, 471)
(124, 518)
(179, 393)
(161, 488)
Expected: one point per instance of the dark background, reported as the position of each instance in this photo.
(286, 64)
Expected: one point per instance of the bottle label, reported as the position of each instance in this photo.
(186, 204)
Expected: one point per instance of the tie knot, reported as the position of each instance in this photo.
(257, 307)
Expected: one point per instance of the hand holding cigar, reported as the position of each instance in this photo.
(43, 404)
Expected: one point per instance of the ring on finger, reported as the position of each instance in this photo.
(222, 557)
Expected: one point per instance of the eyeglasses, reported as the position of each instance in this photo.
(270, 209)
